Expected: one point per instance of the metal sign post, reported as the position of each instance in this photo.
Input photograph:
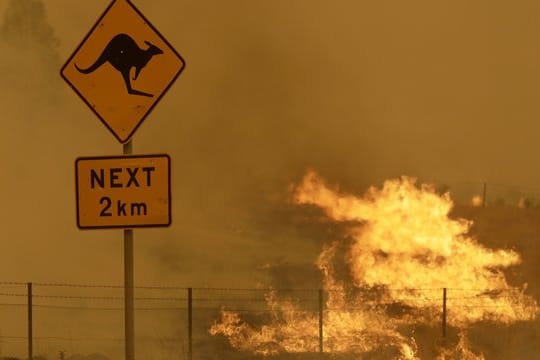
(129, 312)
(30, 326)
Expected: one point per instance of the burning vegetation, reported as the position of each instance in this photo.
(407, 261)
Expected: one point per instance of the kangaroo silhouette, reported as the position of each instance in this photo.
(123, 53)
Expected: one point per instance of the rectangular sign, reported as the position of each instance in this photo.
(123, 191)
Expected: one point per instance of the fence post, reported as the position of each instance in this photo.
(190, 323)
(444, 314)
(321, 304)
(29, 304)
(484, 195)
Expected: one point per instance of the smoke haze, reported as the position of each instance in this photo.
(360, 91)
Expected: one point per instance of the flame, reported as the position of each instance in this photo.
(460, 352)
(524, 203)
(405, 249)
(476, 201)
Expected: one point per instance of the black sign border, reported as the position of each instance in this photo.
(112, 157)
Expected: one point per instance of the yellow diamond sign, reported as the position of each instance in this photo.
(122, 68)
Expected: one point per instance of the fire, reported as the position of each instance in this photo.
(460, 352)
(476, 201)
(524, 203)
(405, 250)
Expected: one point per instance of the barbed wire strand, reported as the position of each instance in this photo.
(367, 288)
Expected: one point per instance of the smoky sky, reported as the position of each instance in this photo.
(359, 92)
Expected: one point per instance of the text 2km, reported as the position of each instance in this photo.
(121, 178)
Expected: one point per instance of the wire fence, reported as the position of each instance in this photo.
(174, 322)
(480, 193)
